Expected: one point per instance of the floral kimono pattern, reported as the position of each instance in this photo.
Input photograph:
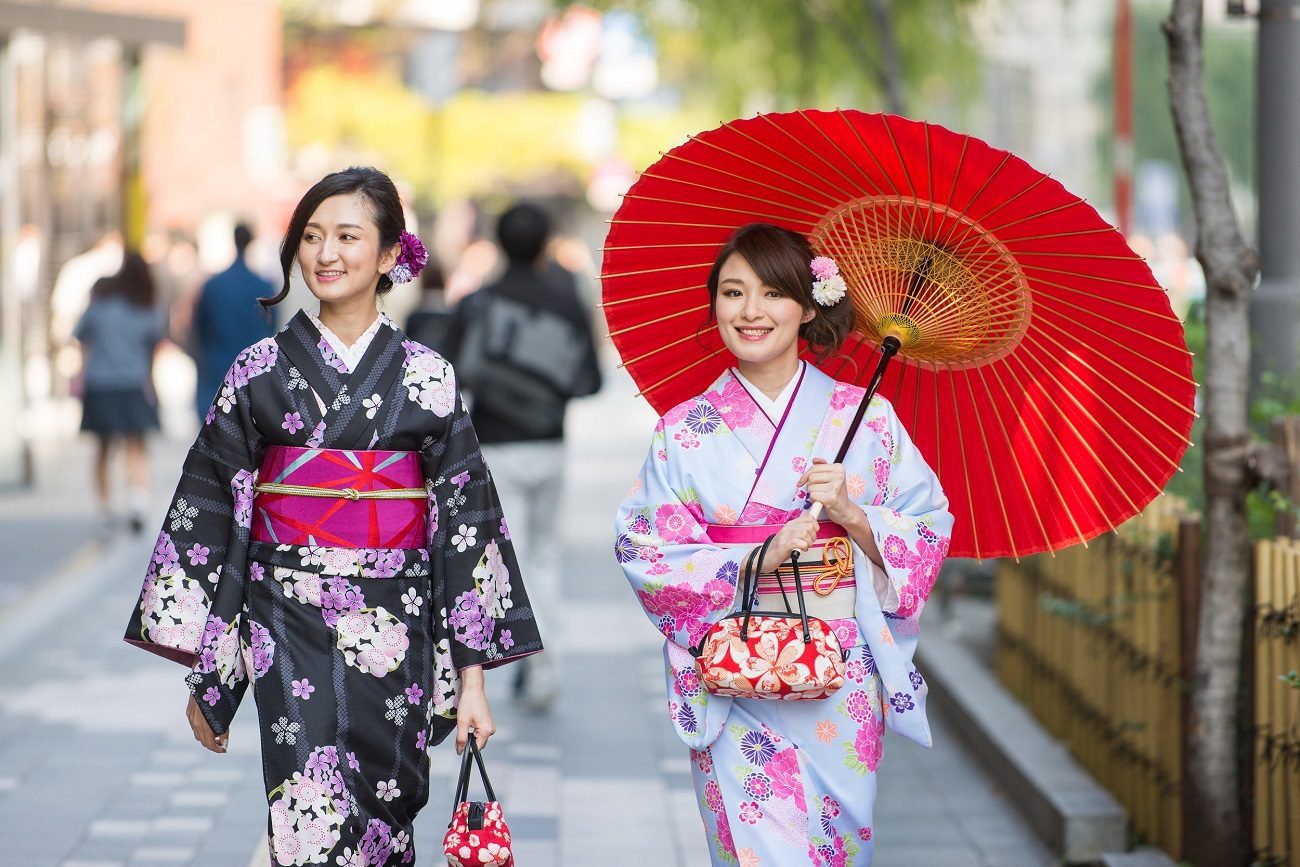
(717, 461)
(355, 652)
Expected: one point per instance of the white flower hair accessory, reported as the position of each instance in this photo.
(829, 288)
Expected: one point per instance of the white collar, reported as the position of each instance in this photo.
(350, 355)
(775, 408)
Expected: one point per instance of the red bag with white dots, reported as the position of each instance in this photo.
(477, 835)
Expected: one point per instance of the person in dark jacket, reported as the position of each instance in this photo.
(227, 318)
(523, 347)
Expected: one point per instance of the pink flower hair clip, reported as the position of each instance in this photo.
(829, 288)
(411, 261)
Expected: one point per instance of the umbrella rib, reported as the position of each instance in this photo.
(1160, 453)
(714, 354)
(784, 156)
(1101, 230)
(801, 143)
(730, 210)
(832, 193)
(1153, 286)
(1061, 347)
(1044, 213)
(907, 175)
(750, 180)
(729, 192)
(961, 450)
(671, 246)
(1042, 462)
(1105, 281)
(1101, 430)
(648, 322)
(988, 454)
(871, 153)
(658, 349)
(1069, 458)
(837, 147)
(977, 223)
(625, 300)
(653, 270)
(1006, 157)
(938, 423)
(674, 223)
(1045, 313)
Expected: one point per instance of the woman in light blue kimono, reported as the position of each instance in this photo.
(786, 782)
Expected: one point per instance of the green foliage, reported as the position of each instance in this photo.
(806, 53)
(1291, 679)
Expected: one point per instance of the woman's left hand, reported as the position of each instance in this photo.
(825, 483)
(472, 710)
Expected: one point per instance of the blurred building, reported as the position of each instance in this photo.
(120, 119)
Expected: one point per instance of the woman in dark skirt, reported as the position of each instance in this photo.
(118, 334)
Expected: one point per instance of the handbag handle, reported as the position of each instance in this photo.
(753, 563)
(798, 591)
(472, 755)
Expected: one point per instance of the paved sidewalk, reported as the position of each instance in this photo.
(98, 768)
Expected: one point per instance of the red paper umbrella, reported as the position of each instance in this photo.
(1043, 375)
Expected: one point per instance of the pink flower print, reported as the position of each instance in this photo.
(414, 693)
(750, 812)
(256, 571)
(507, 640)
(724, 515)
(505, 529)
(864, 834)
(303, 689)
(421, 740)
(896, 553)
(198, 555)
(353, 763)
(855, 486)
(845, 395)
(867, 746)
(734, 404)
(212, 695)
(460, 479)
(659, 568)
(677, 413)
(799, 464)
(674, 523)
(713, 796)
(858, 707)
(724, 834)
(681, 602)
(293, 422)
(703, 760)
(719, 595)
(783, 771)
(846, 631)
(687, 439)
(747, 858)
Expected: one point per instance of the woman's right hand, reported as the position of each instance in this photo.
(798, 534)
(202, 730)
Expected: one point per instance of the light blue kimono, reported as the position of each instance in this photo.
(784, 782)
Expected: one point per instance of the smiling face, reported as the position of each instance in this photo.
(340, 253)
(758, 323)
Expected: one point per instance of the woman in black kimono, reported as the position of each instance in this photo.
(336, 539)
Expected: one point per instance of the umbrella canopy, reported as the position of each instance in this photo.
(1042, 372)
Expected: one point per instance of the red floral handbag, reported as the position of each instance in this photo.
(770, 654)
(477, 835)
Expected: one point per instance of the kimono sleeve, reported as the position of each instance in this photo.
(683, 580)
(481, 607)
(909, 519)
(191, 602)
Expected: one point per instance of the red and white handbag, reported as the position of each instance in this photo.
(770, 654)
(477, 835)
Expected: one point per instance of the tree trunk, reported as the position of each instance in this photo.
(890, 71)
(1214, 789)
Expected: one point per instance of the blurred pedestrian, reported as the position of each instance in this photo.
(729, 484)
(119, 333)
(432, 321)
(523, 348)
(335, 538)
(226, 319)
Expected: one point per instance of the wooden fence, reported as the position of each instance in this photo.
(1092, 640)
(1276, 703)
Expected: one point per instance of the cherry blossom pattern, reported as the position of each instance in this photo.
(428, 379)
(249, 363)
(305, 819)
(372, 640)
(492, 579)
(173, 608)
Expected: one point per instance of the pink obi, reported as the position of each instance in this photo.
(340, 498)
(756, 534)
